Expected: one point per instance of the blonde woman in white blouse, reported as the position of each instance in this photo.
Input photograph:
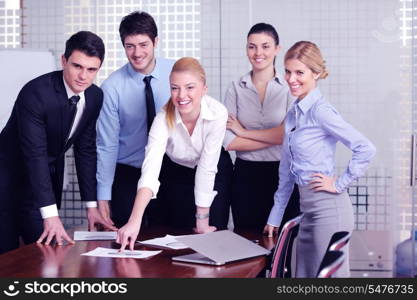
(190, 131)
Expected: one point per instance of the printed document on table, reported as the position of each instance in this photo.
(95, 235)
(109, 252)
(167, 241)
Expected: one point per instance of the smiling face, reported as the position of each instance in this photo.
(301, 80)
(261, 50)
(140, 51)
(187, 89)
(80, 70)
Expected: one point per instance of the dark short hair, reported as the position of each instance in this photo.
(138, 22)
(87, 42)
(265, 28)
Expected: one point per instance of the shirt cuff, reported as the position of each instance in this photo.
(275, 216)
(204, 199)
(89, 204)
(228, 138)
(339, 187)
(49, 211)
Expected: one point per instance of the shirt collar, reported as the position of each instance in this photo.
(155, 72)
(311, 98)
(205, 112)
(70, 93)
(246, 80)
(278, 78)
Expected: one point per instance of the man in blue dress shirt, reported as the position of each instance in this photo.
(132, 96)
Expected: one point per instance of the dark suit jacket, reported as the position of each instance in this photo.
(34, 141)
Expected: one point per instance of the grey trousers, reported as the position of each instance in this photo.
(324, 214)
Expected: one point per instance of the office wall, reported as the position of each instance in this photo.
(12, 62)
(48, 24)
(9, 24)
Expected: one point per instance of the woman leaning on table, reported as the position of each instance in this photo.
(312, 129)
(190, 132)
(257, 103)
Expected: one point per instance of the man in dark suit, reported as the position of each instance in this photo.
(51, 113)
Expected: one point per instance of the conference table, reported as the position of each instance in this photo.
(42, 261)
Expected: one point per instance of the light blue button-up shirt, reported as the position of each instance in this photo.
(122, 132)
(312, 129)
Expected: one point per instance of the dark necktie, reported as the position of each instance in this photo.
(150, 103)
(72, 111)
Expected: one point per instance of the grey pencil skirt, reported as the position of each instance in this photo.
(324, 214)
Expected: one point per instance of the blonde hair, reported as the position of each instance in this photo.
(185, 64)
(309, 54)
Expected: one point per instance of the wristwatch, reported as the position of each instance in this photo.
(202, 216)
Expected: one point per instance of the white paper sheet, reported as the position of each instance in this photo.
(167, 241)
(108, 252)
(94, 235)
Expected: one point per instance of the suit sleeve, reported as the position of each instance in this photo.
(85, 154)
(33, 141)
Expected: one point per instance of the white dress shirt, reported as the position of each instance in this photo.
(52, 210)
(201, 149)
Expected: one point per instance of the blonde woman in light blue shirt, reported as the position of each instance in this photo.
(312, 129)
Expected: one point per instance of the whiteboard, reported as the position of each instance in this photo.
(18, 66)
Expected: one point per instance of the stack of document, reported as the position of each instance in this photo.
(108, 252)
(95, 235)
(168, 241)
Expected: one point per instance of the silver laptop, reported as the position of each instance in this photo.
(218, 248)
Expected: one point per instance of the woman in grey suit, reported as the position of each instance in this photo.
(312, 129)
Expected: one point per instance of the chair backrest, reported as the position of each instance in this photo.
(339, 240)
(281, 248)
(332, 261)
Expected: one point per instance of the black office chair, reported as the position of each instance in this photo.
(337, 242)
(332, 261)
(277, 267)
